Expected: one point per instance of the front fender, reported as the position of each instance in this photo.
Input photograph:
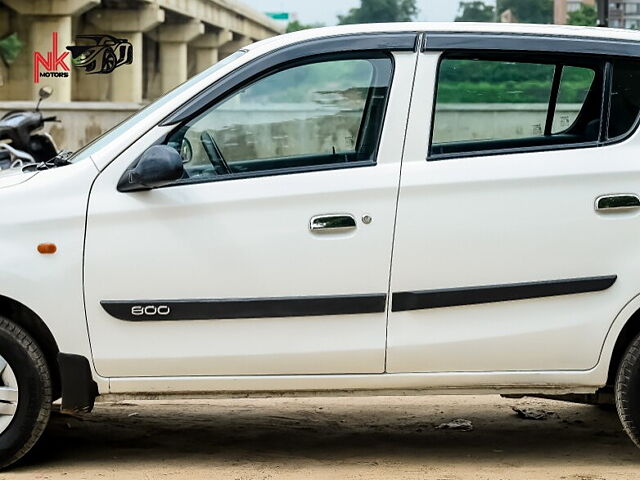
(48, 208)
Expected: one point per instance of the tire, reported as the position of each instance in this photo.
(29, 368)
(109, 61)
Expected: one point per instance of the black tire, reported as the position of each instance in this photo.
(109, 61)
(34, 392)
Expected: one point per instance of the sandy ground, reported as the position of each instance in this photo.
(352, 438)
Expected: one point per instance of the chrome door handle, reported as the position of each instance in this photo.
(617, 202)
(332, 223)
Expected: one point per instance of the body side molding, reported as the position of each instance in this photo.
(453, 297)
(235, 308)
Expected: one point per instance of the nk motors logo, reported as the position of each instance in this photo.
(93, 53)
(53, 64)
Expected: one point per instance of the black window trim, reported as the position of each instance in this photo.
(292, 63)
(553, 101)
(356, 45)
(525, 42)
(534, 55)
(378, 42)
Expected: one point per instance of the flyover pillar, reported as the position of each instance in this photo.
(126, 80)
(235, 44)
(50, 31)
(173, 41)
(207, 46)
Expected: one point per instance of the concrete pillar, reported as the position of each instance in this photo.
(126, 80)
(235, 44)
(173, 39)
(49, 17)
(206, 48)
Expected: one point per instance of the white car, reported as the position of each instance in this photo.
(403, 208)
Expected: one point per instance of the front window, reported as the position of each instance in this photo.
(321, 114)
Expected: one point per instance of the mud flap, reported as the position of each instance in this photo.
(79, 390)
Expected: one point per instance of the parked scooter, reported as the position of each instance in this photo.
(21, 142)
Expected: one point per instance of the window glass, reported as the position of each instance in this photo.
(485, 105)
(575, 84)
(625, 97)
(306, 116)
(484, 100)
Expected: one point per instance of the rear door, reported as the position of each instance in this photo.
(504, 258)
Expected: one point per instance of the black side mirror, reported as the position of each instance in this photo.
(158, 166)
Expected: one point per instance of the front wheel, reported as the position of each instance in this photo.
(25, 392)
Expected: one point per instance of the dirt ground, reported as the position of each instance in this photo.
(351, 438)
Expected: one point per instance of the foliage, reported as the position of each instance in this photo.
(475, 11)
(528, 11)
(296, 26)
(585, 15)
(477, 81)
(10, 47)
(374, 11)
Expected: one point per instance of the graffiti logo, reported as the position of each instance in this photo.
(101, 53)
(51, 62)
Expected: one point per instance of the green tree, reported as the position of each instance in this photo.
(529, 11)
(476, 11)
(374, 11)
(585, 15)
(10, 48)
(296, 26)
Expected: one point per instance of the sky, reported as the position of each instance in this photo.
(326, 11)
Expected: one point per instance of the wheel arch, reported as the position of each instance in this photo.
(34, 325)
(629, 331)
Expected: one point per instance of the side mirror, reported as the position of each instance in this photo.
(45, 92)
(158, 166)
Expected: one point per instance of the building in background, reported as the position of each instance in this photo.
(562, 8)
(508, 17)
(624, 14)
(171, 41)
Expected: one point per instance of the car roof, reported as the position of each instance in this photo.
(614, 34)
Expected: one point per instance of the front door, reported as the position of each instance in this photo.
(272, 254)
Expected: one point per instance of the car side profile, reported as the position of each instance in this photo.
(373, 209)
(101, 53)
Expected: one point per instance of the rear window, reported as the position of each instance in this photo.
(625, 98)
(496, 104)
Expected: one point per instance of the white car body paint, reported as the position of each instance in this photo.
(556, 344)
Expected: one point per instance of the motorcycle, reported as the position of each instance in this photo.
(21, 143)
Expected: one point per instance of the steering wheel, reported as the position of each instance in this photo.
(214, 154)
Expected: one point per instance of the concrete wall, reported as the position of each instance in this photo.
(81, 122)
(505, 120)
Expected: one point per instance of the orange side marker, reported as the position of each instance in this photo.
(47, 248)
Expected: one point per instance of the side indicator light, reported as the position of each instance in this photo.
(47, 248)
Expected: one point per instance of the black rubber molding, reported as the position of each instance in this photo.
(211, 309)
(501, 42)
(453, 297)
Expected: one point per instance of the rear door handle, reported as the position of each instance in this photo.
(332, 223)
(617, 202)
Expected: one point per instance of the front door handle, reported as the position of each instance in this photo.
(617, 202)
(332, 223)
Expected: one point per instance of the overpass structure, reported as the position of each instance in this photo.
(171, 39)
